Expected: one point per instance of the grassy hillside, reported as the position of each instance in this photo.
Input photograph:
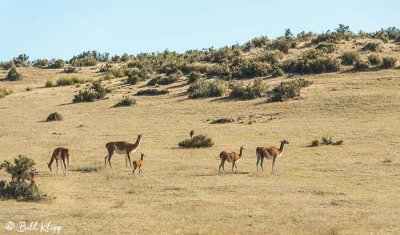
(351, 188)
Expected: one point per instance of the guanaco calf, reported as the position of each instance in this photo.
(138, 164)
(62, 154)
(35, 178)
(230, 157)
(271, 152)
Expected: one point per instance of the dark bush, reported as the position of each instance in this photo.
(325, 141)
(197, 141)
(389, 62)
(54, 117)
(152, 92)
(193, 77)
(21, 60)
(133, 80)
(94, 92)
(277, 72)
(272, 57)
(327, 47)
(205, 88)
(222, 120)
(22, 186)
(250, 68)
(312, 62)
(362, 65)
(126, 101)
(7, 65)
(350, 57)
(56, 64)
(372, 46)
(164, 80)
(375, 59)
(256, 90)
(41, 63)
(289, 89)
(13, 75)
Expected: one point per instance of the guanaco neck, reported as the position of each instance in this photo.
(241, 152)
(282, 144)
(141, 157)
(137, 143)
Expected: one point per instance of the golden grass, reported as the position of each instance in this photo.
(346, 189)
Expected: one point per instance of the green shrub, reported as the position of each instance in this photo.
(14, 75)
(250, 68)
(312, 62)
(126, 101)
(256, 90)
(283, 44)
(375, 59)
(151, 92)
(272, 57)
(205, 88)
(94, 92)
(372, 46)
(54, 117)
(7, 65)
(193, 77)
(327, 47)
(22, 186)
(4, 92)
(133, 80)
(197, 141)
(389, 62)
(21, 61)
(56, 64)
(163, 80)
(69, 81)
(277, 72)
(49, 83)
(362, 65)
(41, 63)
(349, 58)
(289, 89)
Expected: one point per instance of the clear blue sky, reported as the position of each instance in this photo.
(63, 28)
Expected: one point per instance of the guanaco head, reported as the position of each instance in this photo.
(49, 165)
(141, 156)
(241, 149)
(139, 136)
(284, 142)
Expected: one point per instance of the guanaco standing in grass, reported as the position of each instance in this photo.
(271, 152)
(62, 154)
(35, 178)
(230, 157)
(122, 147)
(138, 164)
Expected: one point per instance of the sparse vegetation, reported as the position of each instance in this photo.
(96, 91)
(197, 141)
(151, 92)
(362, 65)
(312, 62)
(255, 90)
(22, 186)
(49, 83)
(375, 59)
(289, 89)
(133, 79)
(372, 46)
(206, 88)
(54, 117)
(56, 64)
(68, 81)
(14, 75)
(71, 69)
(325, 141)
(389, 62)
(126, 101)
(222, 120)
(4, 92)
(349, 58)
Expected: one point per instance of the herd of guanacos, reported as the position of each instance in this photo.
(122, 147)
